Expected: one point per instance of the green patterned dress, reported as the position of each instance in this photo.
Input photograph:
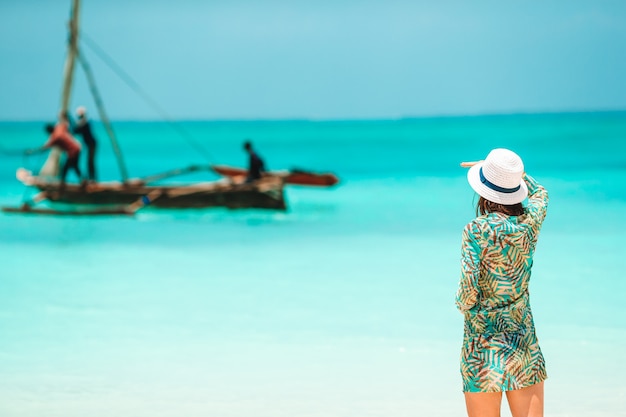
(500, 349)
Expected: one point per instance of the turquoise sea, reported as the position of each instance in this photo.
(341, 306)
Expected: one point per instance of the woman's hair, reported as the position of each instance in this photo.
(485, 206)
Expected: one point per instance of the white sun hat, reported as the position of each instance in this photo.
(81, 110)
(499, 177)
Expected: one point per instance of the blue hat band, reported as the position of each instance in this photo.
(495, 187)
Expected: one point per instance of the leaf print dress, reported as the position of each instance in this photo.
(500, 349)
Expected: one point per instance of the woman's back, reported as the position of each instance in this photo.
(500, 349)
(497, 253)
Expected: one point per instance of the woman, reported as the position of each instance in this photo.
(500, 350)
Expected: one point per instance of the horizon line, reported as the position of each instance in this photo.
(346, 119)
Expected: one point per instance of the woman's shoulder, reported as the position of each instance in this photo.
(480, 224)
(486, 219)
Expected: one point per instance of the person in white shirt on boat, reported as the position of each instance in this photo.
(83, 128)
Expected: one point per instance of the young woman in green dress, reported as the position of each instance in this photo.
(500, 350)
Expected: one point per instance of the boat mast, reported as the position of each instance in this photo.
(68, 77)
(50, 168)
(103, 116)
(72, 51)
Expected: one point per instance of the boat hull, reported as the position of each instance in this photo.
(264, 194)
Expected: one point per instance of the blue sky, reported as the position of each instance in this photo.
(321, 59)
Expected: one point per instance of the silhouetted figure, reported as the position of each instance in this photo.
(83, 128)
(256, 166)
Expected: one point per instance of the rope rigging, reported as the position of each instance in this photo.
(128, 80)
(103, 116)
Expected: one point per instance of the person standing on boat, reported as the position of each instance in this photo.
(500, 350)
(83, 128)
(256, 166)
(60, 137)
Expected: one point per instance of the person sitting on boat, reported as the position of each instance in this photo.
(61, 138)
(256, 166)
(83, 128)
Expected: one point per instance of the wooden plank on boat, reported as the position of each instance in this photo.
(296, 177)
(127, 210)
(172, 173)
(25, 209)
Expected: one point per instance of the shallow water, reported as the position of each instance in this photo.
(341, 306)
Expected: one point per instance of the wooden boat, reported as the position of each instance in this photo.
(296, 177)
(128, 195)
(265, 193)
